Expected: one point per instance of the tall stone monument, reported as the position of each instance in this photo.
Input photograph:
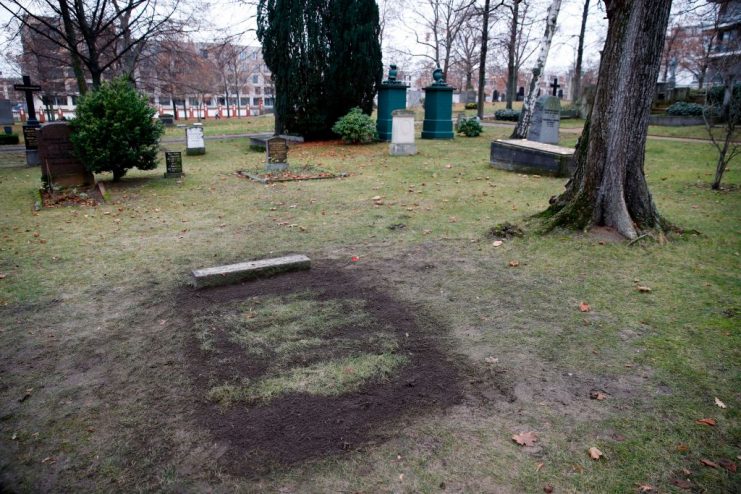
(59, 165)
(32, 124)
(438, 123)
(392, 95)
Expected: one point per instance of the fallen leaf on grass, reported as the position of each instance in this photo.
(682, 484)
(646, 488)
(686, 472)
(491, 360)
(720, 403)
(707, 421)
(26, 395)
(728, 465)
(497, 243)
(709, 463)
(595, 453)
(525, 438)
(643, 289)
(2, 276)
(597, 395)
(514, 264)
(354, 258)
(584, 307)
(539, 466)
(548, 489)
(683, 448)
(49, 459)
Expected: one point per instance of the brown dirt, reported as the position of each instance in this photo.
(299, 426)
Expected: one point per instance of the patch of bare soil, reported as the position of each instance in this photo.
(299, 426)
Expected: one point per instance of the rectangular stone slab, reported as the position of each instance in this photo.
(235, 273)
(524, 156)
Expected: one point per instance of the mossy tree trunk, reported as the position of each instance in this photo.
(609, 186)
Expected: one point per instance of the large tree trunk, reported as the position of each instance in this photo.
(523, 124)
(579, 56)
(609, 186)
(511, 69)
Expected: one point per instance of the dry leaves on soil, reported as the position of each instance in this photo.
(584, 307)
(708, 463)
(596, 394)
(728, 465)
(525, 438)
(646, 488)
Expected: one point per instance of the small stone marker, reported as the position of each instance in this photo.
(235, 273)
(402, 133)
(6, 115)
(546, 120)
(276, 154)
(174, 164)
(59, 165)
(32, 124)
(194, 143)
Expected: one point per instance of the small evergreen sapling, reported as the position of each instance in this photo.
(115, 130)
(356, 127)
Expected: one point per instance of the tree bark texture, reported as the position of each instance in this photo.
(482, 61)
(523, 124)
(511, 68)
(609, 186)
(580, 55)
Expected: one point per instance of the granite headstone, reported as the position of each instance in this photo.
(546, 120)
(59, 166)
(402, 133)
(276, 154)
(194, 143)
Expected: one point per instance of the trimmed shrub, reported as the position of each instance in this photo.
(472, 106)
(682, 109)
(7, 139)
(470, 127)
(356, 127)
(115, 130)
(508, 115)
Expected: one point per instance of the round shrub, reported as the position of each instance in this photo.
(470, 127)
(115, 131)
(508, 115)
(683, 109)
(356, 127)
(472, 106)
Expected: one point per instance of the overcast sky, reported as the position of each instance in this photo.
(235, 17)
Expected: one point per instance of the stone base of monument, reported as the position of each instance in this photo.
(235, 273)
(402, 149)
(195, 151)
(520, 155)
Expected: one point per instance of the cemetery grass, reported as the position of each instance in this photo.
(107, 385)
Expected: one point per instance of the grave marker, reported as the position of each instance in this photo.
(60, 167)
(6, 116)
(276, 154)
(546, 120)
(32, 124)
(402, 133)
(174, 164)
(194, 142)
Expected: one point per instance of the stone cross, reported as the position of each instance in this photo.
(29, 89)
(555, 86)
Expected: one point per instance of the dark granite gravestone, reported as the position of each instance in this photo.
(32, 124)
(167, 120)
(495, 96)
(6, 116)
(174, 164)
(521, 94)
(59, 166)
(276, 154)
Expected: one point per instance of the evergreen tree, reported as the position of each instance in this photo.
(325, 59)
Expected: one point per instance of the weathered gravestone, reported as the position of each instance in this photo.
(174, 164)
(6, 116)
(276, 154)
(402, 133)
(59, 166)
(546, 120)
(520, 96)
(539, 153)
(194, 143)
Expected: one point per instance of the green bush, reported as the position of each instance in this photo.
(470, 127)
(472, 106)
(356, 127)
(509, 115)
(115, 130)
(682, 109)
(6, 139)
(716, 93)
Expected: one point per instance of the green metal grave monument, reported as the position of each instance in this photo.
(392, 95)
(438, 122)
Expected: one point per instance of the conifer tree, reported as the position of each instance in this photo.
(325, 59)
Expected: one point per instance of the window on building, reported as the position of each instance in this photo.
(165, 101)
(221, 100)
(255, 79)
(244, 101)
(193, 101)
(74, 100)
(256, 101)
(268, 90)
(268, 101)
(258, 90)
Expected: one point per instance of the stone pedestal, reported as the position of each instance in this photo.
(402, 135)
(520, 155)
(438, 122)
(391, 96)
